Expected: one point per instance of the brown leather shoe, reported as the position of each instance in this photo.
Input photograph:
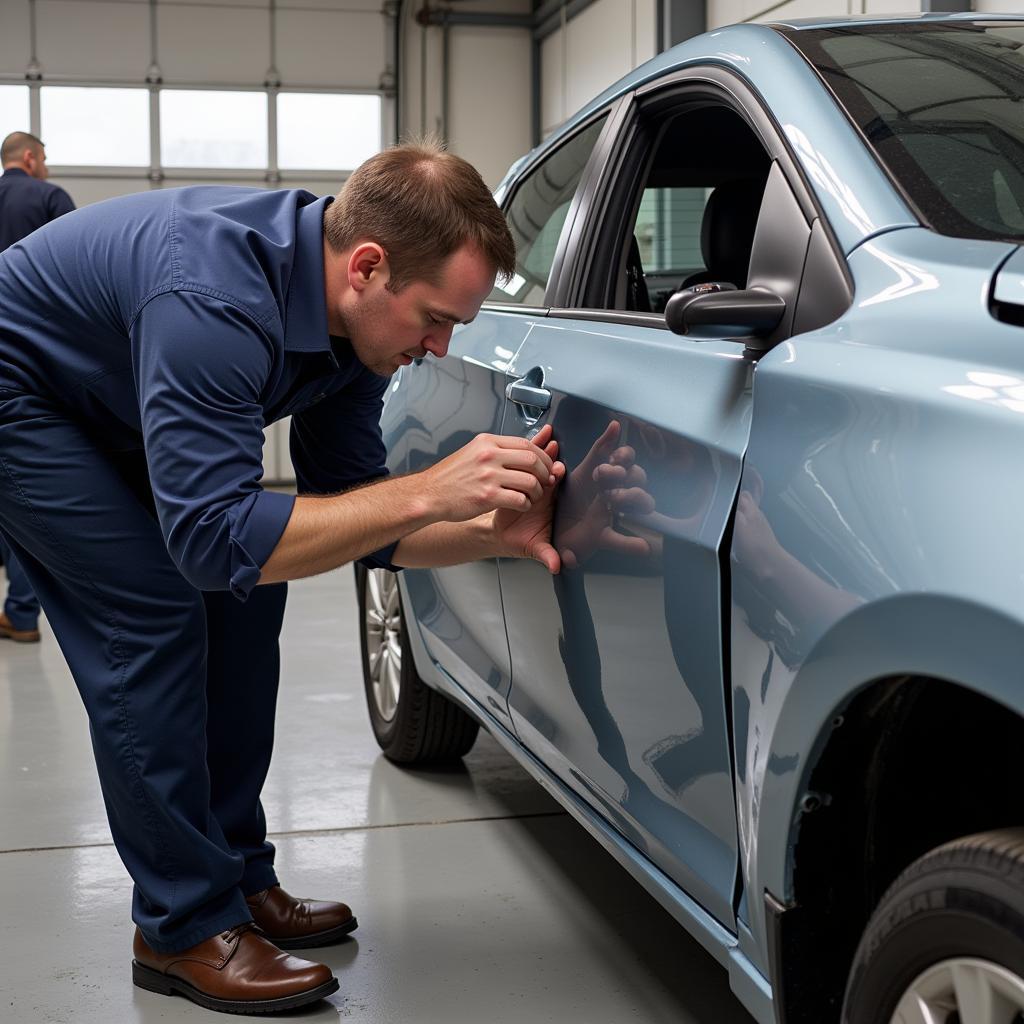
(290, 923)
(237, 971)
(19, 636)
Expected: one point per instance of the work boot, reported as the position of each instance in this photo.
(237, 971)
(291, 923)
(19, 636)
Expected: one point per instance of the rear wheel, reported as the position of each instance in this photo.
(413, 723)
(946, 944)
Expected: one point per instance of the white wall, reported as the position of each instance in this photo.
(489, 83)
(593, 50)
(726, 12)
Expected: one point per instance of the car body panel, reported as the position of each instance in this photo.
(856, 432)
(447, 402)
(1009, 285)
(584, 642)
(746, 981)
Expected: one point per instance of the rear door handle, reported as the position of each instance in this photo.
(523, 392)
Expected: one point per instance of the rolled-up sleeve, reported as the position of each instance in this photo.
(336, 444)
(201, 365)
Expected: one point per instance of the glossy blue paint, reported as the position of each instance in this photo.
(445, 404)
(855, 194)
(616, 662)
(871, 442)
(748, 983)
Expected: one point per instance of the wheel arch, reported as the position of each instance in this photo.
(867, 731)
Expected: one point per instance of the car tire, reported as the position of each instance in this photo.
(413, 724)
(947, 938)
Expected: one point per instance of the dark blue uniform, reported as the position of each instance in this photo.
(145, 343)
(26, 203)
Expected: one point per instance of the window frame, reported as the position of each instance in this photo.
(600, 230)
(155, 173)
(613, 114)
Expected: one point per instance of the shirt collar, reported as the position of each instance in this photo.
(16, 170)
(305, 324)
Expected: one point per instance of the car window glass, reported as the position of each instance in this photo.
(696, 213)
(537, 213)
(940, 106)
(668, 230)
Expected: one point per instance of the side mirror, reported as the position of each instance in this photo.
(756, 311)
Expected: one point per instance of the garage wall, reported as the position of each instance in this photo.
(726, 12)
(483, 110)
(591, 51)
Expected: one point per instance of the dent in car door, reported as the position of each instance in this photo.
(618, 681)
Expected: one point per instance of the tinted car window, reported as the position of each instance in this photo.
(537, 212)
(697, 210)
(940, 105)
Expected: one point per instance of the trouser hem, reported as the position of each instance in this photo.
(265, 878)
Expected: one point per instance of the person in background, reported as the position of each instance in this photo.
(27, 201)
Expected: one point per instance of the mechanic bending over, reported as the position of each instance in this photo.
(145, 342)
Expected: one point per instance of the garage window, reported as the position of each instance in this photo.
(95, 126)
(326, 131)
(213, 128)
(14, 110)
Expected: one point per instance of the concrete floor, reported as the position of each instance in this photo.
(479, 900)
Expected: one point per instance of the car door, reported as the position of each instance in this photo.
(450, 401)
(620, 680)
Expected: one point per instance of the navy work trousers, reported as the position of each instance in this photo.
(180, 686)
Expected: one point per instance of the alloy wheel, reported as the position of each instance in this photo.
(383, 625)
(963, 991)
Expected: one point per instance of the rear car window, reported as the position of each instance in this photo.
(940, 104)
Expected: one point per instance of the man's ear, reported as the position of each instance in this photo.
(367, 261)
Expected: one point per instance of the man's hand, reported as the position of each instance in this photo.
(491, 472)
(527, 534)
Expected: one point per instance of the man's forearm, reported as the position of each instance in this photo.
(325, 532)
(448, 544)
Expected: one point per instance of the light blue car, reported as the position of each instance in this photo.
(770, 297)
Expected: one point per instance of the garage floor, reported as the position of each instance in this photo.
(478, 899)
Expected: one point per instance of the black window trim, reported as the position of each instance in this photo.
(687, 84)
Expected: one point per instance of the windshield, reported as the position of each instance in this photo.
(941, 104)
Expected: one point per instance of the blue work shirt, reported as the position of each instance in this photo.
(184, 321)
(27, 203)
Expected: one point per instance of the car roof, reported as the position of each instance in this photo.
(736, 45)
(863, 204)
(858, 20)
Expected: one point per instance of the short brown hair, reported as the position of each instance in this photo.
(15, 144)
(420, 203)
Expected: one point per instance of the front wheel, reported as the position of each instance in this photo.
(946, 944)
(413, 724)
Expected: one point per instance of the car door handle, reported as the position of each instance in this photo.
(522, 392)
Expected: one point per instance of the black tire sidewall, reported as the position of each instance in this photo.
(948, 914)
